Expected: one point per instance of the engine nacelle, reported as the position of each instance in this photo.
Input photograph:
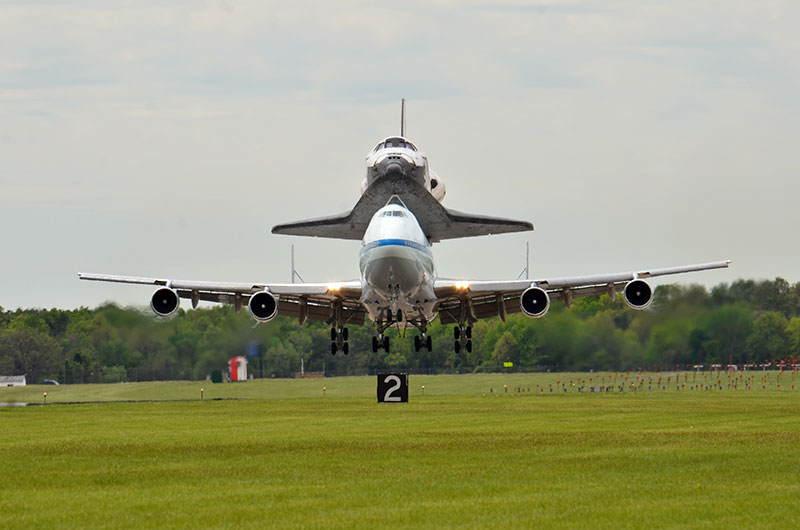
(638, 294)
(165, 302)
(263, 306)
(534, 302)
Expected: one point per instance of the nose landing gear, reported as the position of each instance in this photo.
(423, 341)
(381, 341)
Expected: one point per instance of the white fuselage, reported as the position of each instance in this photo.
(396, 265)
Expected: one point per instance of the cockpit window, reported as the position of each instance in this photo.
(394, 142)
(394, 213)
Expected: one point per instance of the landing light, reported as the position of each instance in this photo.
(334, 287)
(462, 285)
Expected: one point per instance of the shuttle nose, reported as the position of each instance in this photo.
(394, 167)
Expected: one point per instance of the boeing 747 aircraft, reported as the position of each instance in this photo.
(399, 287)
(397, 218)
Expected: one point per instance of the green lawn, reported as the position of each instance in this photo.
(442, 385)
(282, 455)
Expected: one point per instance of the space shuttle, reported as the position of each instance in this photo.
(397, 154)
(397, 168)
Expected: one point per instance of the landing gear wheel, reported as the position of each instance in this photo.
(469, 346)
(457, 347)
(333, 334)
(456, 333)
(346, 348)
(399, 315)
(429, 344)
(417, 343)
(469, 332)
(333, 348)
(345, 334)
(388, 316)
(374, 344)
(386, 344)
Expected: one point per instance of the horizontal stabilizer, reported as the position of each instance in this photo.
(436, 221)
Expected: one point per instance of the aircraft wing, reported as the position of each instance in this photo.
(302, 300)
(436, 221)
(486, 299)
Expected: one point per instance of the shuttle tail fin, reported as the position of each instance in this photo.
(403, 117)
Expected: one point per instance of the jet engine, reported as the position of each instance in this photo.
(263, 306)
(638, 294)
(165, 302)
(534, 302)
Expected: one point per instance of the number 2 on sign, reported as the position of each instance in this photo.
(388, 396)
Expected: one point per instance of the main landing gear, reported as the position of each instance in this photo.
(391, 317)
(463, 338)
(422, 341)
(381, 340)
(339, 342)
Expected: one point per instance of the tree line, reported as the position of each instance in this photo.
(743, 322)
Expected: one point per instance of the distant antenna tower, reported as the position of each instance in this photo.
(294, 272)
(526, 271)
(403, 117)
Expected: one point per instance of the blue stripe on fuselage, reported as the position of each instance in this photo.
(396, 242)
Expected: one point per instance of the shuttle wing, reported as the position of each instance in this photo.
(486, 299)
(304, 300)
(437, 222)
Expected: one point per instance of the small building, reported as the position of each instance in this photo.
(12, 380)
(238, 368)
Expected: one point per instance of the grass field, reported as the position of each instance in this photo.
(282, 455)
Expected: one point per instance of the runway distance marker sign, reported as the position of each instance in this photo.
(393, 388)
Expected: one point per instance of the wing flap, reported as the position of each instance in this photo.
(445, 287)
(321, 311)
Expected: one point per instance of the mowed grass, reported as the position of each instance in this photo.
(419, 385)
(285, 456)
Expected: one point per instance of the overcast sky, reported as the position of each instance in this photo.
(166, 138)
